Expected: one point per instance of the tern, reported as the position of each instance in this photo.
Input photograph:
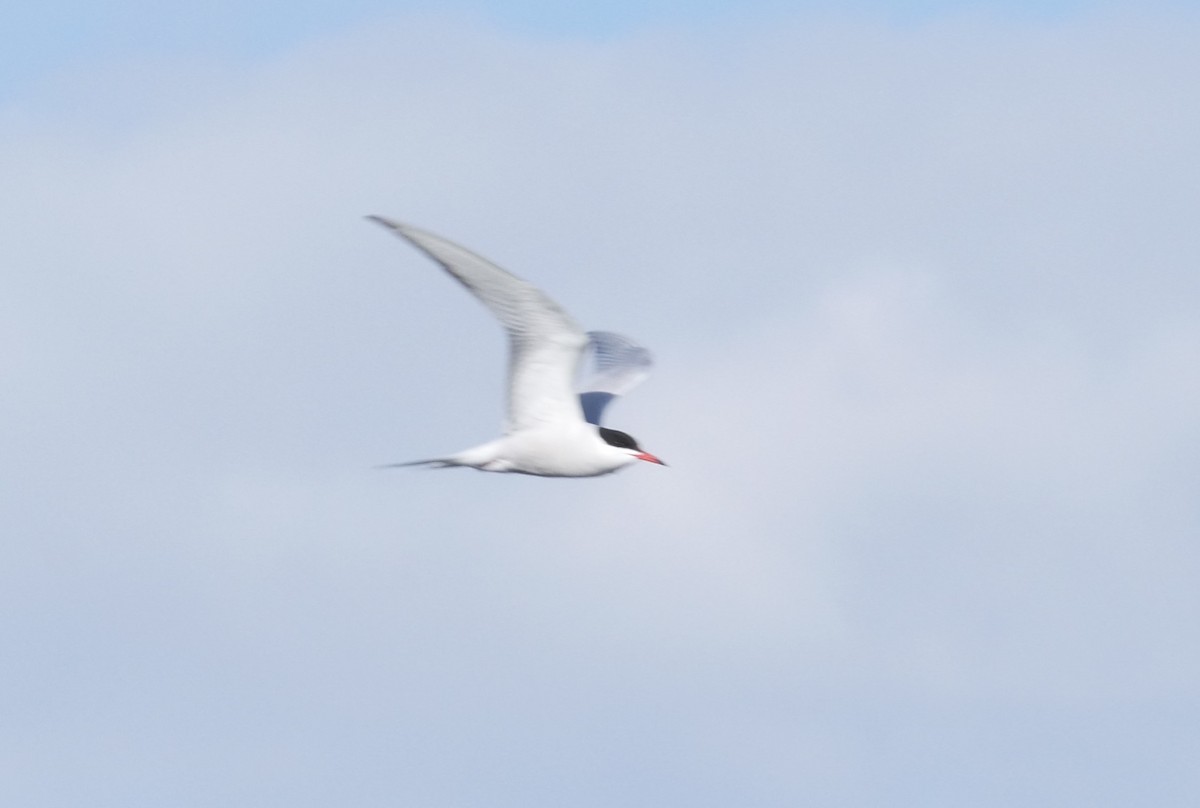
(553, 428)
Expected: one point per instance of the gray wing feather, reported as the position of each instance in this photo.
(615, 365)
(545, 344)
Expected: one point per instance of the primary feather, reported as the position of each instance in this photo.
(544, 343)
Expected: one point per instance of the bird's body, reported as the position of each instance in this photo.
(560, 450)
(547, 433)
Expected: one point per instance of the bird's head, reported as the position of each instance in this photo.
(625, 442)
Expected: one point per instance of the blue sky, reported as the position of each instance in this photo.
(921, 287)
(44, 38)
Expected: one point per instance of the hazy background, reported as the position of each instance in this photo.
(922, 284)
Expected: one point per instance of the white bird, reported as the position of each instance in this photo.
(552, 430)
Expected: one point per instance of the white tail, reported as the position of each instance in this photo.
(433, 464)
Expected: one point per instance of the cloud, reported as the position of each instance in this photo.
(921, 301)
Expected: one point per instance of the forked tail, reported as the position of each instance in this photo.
(440, 463)
(484, 458)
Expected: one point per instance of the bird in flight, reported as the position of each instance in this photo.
(553, 427)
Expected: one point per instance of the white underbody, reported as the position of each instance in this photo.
(558, 450)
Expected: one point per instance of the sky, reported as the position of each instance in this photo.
(920, 280)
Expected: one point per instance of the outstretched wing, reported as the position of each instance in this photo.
(545, 344)
(614, 365)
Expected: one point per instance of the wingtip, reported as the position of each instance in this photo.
(383, 220)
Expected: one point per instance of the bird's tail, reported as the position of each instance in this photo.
(479, 457)
(439, 463)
